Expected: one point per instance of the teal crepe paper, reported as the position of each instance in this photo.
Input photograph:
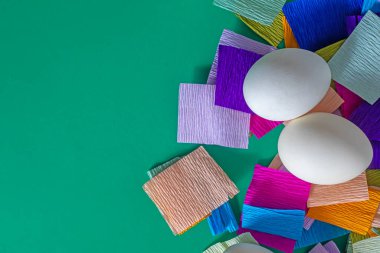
(373, 5)
(222, 219)
(285, 223)
(160, 168)
(356, 65)
(262, 11)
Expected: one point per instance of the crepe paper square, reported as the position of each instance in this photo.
(160, 168)
(319, 232)
(289, 39)
(260, 126)
(331, 247)
(221, 247)
(328, 52)
(367, 118)
(349, 246)
(330, 103)
(233, 65)
(351, 100)
(261, 11)
(276, 189)
(318, 249)
(367, 246)
(273, 33)
(276, 162)
(354, 190)
(273, 241)
(373, 177)
(319, 23)
(375, 164)
(285, 223)
(200, 121)
(189, 190)
(232, 39)
(308, 222)
(355, 216)
(373, 5)
(222, 219)
(356, 65)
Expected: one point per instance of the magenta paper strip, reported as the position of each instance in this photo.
(260, 126)
(351, 100)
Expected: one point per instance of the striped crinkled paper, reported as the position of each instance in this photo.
(200, 121)
(319, 232)
(329, 247)
(370, 245)
(273, 33)
(308, 222)
(289, 39)
(189, 190)
(356, 65)
(330, 102)
(351, 100)
(221, 247)
(375, 164)
(232, 39)
(160, 168)
(319, 23)
(261, 11)
(329, 51)
(352, 22)
(367, 118)
(318, 249)
(373, 5)
(260, 126)
(355, 216)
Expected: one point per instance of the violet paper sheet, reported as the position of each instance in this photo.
(200, 121)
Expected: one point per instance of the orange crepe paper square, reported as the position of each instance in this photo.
(290, 40)
(189, 190)
(355, 216)
(354, 190)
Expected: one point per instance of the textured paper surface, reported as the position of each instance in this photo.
(276, 162)
(260, 126)
(375, 164)
(331, 247)
(373, 177)
(232, 39)
(351, 100)
(352, 22)
(319, 232)
(289, 39)
(319, 23)
(329, 51)
(200, 121)
(220, 247)
(356, 65)
(354, 190)
(367, 118)
(308, 222)
(355, 216)
(285, 223)
(373, 5)
(367, 246)
(160, 168)
(189, 190)
(261, 11)
(318, 249)
(222, 219)
(233, 65)
(273, 33)
(330, 102)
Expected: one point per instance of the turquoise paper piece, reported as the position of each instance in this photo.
(222, 219)
(262, 11)
(373, 5)
(356, 65)
(160, 168)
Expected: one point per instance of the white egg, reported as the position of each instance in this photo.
(247, 248)
(286, 84)
(323, 148)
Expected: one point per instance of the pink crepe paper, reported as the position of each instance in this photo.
(351, 100)
(260, 126)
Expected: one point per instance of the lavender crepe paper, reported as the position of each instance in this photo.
(318, 249)
(232, 39)
(308, 222)
(331, 247)
(233, 65)
(367, 118)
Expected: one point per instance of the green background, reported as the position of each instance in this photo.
(88, 103)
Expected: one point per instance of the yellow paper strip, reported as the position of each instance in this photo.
(328, 52)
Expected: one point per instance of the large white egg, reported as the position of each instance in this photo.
(323, 148)
(247, 248)
(286, 84)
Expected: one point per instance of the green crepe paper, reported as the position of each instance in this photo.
(356, 65)
(220, 247)
(367, 246)
(160, 168)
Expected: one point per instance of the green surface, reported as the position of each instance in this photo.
(88, 103)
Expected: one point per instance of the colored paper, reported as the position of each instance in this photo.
(319, 23)
(355, 216)
(200, 121)
(330, 102)
(189, 190)
(354, 190)
(260, 126)
(329, 51)
(331, 247)
(233, 65)
(318, 249)
(273, 33)
(308, 222)
(289, 39)
(319, 232)
(276, 163)
(232, 39)
(352, 22)
(367, 118)
(373, 5)
(367, 246)
(221, 247)
(373, 177)
(160, 168)
(261, 11)
(356, 65)
(276, 189)
(351, 100)
(222, 219)
(375, 164)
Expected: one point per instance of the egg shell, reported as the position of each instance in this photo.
(286, 84)
(323, 148)
(246, 248)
